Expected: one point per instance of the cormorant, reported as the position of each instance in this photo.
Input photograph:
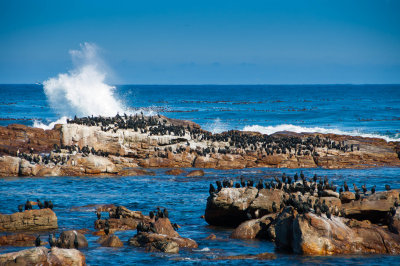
(98, 215)
(76, 243)
(373, 189)
(212, 189)
(151, 215)
(387, 187)
(52, 240)
(51, 204)
(20, 207)
(37, 241)
(40, 204)
(165, 213)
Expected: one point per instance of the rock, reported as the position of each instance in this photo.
(265, 198)
(211, 237)
(33, 256)
(374, 207)
(67, 239)
(347, 196)
(59, 256)
(110, 241)
(30, 220)
(229, 206)
(163, 243)
(44, 256)
(310, 234)
(329, 193)
(261, 256)
(195, 173)
(128, 219)
(256, 228)
(175, 171)
(19, 240)
(9, 166)
(163, 226)
(135, 172)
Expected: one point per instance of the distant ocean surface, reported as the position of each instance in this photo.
(367, 110)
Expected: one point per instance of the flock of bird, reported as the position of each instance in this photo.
(314, 186)
(28, 205)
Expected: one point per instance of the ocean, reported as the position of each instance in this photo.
(366, 110)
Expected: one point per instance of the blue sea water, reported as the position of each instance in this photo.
(366, 109)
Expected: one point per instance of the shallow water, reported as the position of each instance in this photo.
(185, 199)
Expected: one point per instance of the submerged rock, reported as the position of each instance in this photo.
(110, 241)
(195, 173)
(19, 240)
(30, 220)
(175, 171)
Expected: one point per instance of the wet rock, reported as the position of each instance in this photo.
(195, 173)
(163, 226)
(347, 196)
(59, 256)
(229, 206)
(175, 171)
(9, 166)
(123, 219)
(110, 241)
(211, 237)
(261, 256)
(44, 256)
(30, 220)
(330, 193)
(283, 228)
(256, 228)
(264, 200)
(163, 243)
(19, 240)
(67, 240)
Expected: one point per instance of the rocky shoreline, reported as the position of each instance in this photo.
(122, 145)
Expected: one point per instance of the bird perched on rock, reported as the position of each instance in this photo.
(392, 211)
(28, 205)
(76, 243)
(346, 187)
(151, 215)
(165, 213)
(358, 196)
(52, 240)
(373, 189)
(39, 203)
(20, 207)
(51, 205)
(212, 189)
(37, 241)
(364, 188)
(387, 187)
(356, 189)
(98, 215)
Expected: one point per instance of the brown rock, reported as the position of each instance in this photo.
(110, 241)
(31, 220)
(9, 166)
(18, 240)
(67, 238)
(265, 198)
(211, 237)
(44, 256)
(160, 242)
(195, 173)
(163, 226)
(175, 171)
(347, 196)
(256, 228)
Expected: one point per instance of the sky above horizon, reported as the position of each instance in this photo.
(206, 42)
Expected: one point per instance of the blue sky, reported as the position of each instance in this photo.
(206, 42)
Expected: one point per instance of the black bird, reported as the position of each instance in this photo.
(212, 189)
(328, 214)
(387, 187)
(341, 190)
(175, 226)
(40, 204)
(260, 184)
(393, 211)
(107, 230)
(51, 204)
(46, 204)
(76, 243)
(52, 240)
(296, 177)
(373, 189)
(159, 213)
(165, 213)
(358, 196)
(98, 215)
(28, 205)
(237, 185)
(151, 215)
(242, 182)
(37, 241)
(20, 207)
(396, 203)
(356, 189)
(346, 187)
(364, 188)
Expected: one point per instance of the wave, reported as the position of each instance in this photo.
(299, 129)
(83, 91)
(39, 124)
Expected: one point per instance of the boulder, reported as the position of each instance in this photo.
(229, 206)
(264, 200)
(67, 240)
(255, 228)
(110, 241)
(163, 226)
(195, 173)
(19, 240)
(9, 166)
(44, 256)
(30, 220)
(163, 243)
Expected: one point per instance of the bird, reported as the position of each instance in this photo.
(51, 205)
(373, 189)
(212, 189)
(387, 187)
(52, 240)
(165, 213)
(20, 207)
(98, 215)
(328, 215)
(346, 187)
(356, 189)
(106, 230)
(37, 241)
(274, 209)
(358, 196)
(39, 203)
(76, 243)
(151, 215)
(364, 188)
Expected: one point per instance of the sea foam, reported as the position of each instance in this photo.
(299, 129)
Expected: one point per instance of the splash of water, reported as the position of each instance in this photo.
(83, 90)
(39, 124)
(217, 126)
(298, 129)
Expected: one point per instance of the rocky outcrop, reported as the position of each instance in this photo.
(72, 239)
(44, 256)
(18, 240)
(124, 220)
(311, 234)
(30, 220)
(110, 241)
(122, 148)
(163, 239)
